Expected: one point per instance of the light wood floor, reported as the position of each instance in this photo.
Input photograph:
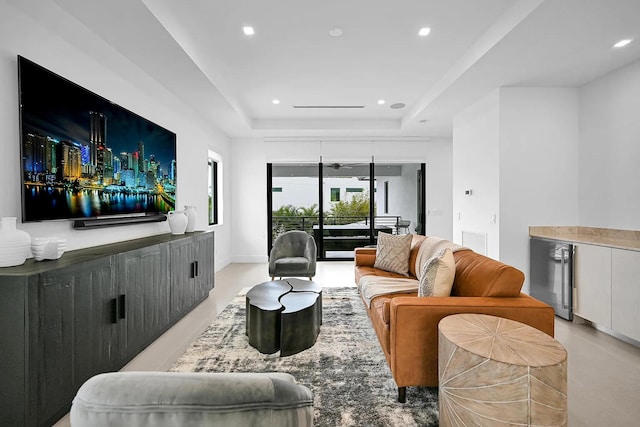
(603, 372)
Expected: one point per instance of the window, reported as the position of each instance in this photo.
(355, 190)
(335, 194)
(276, 189)
(214, 188)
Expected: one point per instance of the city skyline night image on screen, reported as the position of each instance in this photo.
(86, 157)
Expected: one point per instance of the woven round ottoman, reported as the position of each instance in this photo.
(495, 371)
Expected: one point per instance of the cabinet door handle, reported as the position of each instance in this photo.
(123, 310)
(562, 275)
(193, 270)
(114, 310)
(197, 269)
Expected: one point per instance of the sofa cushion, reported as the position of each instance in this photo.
(416, 244)
(371, 286)
(429, 247)
(292, 265)
(392, 253)
(365, 258)
(362, 271)
(437, 274)
(481, 276)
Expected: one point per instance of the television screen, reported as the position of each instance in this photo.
(86, 157)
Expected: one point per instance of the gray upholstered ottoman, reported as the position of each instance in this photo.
(192, 399)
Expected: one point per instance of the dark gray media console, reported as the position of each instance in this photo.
(91, 311)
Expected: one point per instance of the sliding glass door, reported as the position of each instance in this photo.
(345, 205)
(399, 197)
(293, 199)
(346, 209)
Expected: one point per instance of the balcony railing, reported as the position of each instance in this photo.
(282, 224)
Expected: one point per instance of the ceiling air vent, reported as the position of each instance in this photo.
(329, 106)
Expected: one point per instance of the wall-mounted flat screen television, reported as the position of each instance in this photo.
(85, 157)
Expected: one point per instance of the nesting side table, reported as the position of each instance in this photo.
(284, 315)
(495, 371)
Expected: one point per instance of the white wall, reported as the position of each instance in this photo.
(538, 166)
(476, 160)
(516, 149)
(249, 179)
(58, 42)
(566, 156)
(249, 200)
(609, 155)
(439, 188)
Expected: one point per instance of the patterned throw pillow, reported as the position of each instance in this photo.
(438, 272)
(392, 253)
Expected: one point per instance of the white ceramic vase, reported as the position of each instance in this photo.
(191, 216)
(47, 247)
(178, 221)
(14, 243)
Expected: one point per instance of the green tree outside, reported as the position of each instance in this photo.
(346, 212)
(290, 217)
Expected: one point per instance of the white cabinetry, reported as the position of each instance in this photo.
(592, 282)
(625, 293)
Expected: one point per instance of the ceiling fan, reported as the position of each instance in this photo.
(338, 166)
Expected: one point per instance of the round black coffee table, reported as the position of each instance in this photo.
(284, 315)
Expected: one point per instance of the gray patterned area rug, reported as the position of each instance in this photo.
(345, 369)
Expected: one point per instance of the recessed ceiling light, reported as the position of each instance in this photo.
(276, 101)
(424, 121)
(397, 105)
(424, 31)
(335, 32)
(248, 31)
(380, 101)
(622, 43)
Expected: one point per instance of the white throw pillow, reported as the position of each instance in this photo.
(438, 272)
(392, 253)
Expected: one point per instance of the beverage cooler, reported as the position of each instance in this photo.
(551, 274)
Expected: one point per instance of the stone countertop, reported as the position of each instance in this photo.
(621, 239)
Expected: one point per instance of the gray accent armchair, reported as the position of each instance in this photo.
(169, 399)
(293, 254)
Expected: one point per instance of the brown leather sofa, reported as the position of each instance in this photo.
(407, 325)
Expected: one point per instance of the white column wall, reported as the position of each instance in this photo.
(538, 166)
(609, 154)
(516, 150)
(476, 160)
(249, 158)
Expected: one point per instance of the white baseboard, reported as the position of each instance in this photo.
(220, 264)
